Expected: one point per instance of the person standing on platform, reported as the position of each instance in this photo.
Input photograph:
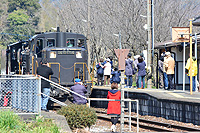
(194, 71)
(107, 71)
(100, 72)
(129, 70)
(164, 72)
(114, 107)
(160, 68)
(135, 70)
(80, 89)
(170, 65)
(45, 71)
(111, 61)
(141, 72)
(115, 76)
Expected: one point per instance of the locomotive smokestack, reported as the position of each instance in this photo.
(58, 29)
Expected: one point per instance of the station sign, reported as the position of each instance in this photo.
(180, 34)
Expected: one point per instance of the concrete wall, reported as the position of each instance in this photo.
(170, 109)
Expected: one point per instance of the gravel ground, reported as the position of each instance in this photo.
(105, 126)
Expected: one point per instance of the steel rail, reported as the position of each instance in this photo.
(167, 125)
(135, 124)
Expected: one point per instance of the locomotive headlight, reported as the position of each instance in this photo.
(53, 54)
(78, 54)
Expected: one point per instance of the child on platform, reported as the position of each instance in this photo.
(114, 107)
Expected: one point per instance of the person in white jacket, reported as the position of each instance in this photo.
(107, 72)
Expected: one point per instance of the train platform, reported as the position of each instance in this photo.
(170, 104)
(178, 95)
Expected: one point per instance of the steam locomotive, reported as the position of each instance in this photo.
(66, 53)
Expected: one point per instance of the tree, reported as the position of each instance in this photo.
(18, 17)
(21, 18)
(114, 16)
(31, 6)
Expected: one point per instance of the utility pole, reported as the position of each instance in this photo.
(88, 37)
(190, 56)
(149, 42)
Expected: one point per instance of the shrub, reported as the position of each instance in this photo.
(78, 116)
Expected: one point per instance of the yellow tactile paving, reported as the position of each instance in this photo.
(176, 95)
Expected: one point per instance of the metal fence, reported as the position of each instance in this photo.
(20, 93)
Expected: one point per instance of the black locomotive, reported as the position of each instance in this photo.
(66, 52)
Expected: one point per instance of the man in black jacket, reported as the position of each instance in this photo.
(44, 70)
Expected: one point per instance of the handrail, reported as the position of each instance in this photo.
(93, 74)
(32, 63)
(55, 100)
(59, 70)
(129, 107)
(36, 65)
(19, 68)
(63, 87)
(83, 63)
(60, 88)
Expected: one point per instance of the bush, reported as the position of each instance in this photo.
(78, 116)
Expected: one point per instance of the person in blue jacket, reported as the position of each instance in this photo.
(115, 76)
(100, 72)
(80, 89)
(141, 73)
(129, 70)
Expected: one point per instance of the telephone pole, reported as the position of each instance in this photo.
(150, 42)
(88, 37)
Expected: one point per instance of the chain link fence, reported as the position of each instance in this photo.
(20, 93)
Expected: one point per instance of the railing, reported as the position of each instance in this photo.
(129, 109)
(20, 93)
(56, 63)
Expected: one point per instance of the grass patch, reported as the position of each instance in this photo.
(11, 123)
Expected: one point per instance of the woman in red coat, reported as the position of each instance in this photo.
(114, 107)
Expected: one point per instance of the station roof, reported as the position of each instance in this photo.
(169, 43)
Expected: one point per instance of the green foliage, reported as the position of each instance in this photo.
(22, 17)
(43, 126)
(28, 5)
(78, 116)
(18, 17)
(11, 123)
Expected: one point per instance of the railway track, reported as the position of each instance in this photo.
(152, 125)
